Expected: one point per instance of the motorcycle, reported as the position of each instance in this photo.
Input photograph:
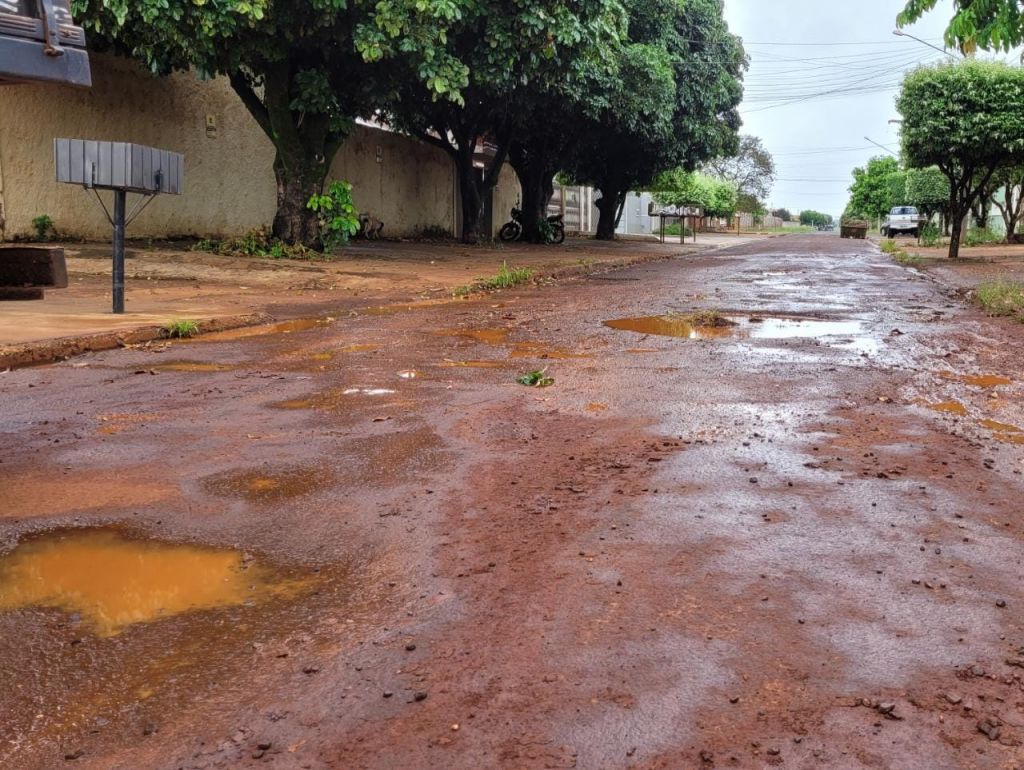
(513, 230)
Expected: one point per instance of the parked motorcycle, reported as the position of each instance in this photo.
(513, 230)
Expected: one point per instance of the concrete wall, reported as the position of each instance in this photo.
(229, 182)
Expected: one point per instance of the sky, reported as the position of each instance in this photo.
(823, 76)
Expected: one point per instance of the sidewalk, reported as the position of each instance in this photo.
(167, 282)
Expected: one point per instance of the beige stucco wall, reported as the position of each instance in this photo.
(229, 182)
(506, 195)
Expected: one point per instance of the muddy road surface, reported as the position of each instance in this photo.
(786, 531)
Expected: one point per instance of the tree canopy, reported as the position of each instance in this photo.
(966, 119)
(751, 169)
(672, 103)
(680, 188)
(813, 218)
(989, 24)
(304, 71)
(871, 194)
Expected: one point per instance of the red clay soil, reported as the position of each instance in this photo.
(787, 544)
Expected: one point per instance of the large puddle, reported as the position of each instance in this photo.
(754, 327)
(113, 582)
(284, 327)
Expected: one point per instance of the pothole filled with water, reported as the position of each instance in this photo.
(751, 327)
(192, 366)
(113, 582)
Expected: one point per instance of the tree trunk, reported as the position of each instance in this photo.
(471, 196)
(297, 181)
(608, 210)
(958, 215)
(305, 147)
(1011, 209)
(536, 172)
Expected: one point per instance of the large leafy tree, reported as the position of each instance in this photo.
(928, 190)
(871, 194)
(967, 119)
(304, 70)
(671, 104)
(1009, 199)
(990, 24)
(812, 218)
(681, 188)
(751, 169)
(513, 51)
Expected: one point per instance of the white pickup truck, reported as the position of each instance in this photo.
(902, 220)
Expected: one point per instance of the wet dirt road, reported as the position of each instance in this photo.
(357, 542)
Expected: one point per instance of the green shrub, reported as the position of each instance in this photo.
(337, 213)
(43, 226)
(930, 235)
(888, 246)
(981, 237)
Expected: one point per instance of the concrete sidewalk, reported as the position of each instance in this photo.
(168, 282)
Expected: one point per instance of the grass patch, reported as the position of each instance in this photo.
(536, 379)
(181, 329)
(506, 278)
(1002, 298)
(900, 256)
(908, 260)
(982, 236)
(256, 243)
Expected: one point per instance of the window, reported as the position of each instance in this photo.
(19, 7)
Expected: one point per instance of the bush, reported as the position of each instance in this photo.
(930, 235)
(981, 237)
(338, 217)
(43, 225)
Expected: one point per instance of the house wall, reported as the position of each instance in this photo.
(229, 181)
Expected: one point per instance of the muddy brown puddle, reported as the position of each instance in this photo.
(754, 327)
(113, 582)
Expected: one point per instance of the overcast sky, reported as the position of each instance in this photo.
(822, 78)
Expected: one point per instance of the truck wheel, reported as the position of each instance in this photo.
(885, 232)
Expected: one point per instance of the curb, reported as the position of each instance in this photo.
(48, 351)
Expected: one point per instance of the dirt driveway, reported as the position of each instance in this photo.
(794, 541)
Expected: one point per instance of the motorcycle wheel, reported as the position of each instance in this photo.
(558, 233)
(510, 231)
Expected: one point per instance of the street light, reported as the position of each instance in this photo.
(901, 33)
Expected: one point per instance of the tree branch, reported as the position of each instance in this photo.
(252, 102)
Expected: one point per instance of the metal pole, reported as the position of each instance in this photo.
(120, 197)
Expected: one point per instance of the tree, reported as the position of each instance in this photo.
(784, 214)
(928, 190)
(811, 218)
(513, 51)
(1010, 201)
(672, 105)
(304, 71)
(989, 24)
(966, 118)
(871, 193)
(682, 188)
(751, 169)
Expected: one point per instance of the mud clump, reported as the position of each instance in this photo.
(266, 486)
